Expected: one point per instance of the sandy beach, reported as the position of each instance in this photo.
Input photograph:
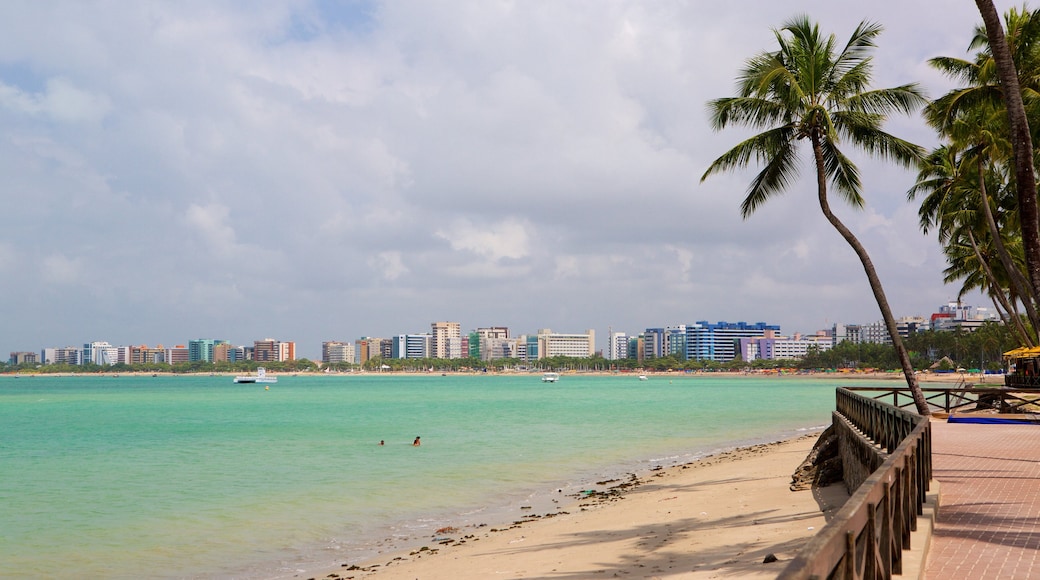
(714, 518)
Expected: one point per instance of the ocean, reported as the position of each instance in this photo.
(197, 477)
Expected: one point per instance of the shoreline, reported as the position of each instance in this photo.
(719, 515)
(923, 377)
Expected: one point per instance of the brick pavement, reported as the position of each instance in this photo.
(988, 523)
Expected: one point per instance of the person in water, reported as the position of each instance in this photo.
(381, 442)
(416, 442)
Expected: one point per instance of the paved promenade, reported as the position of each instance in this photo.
(988, 523)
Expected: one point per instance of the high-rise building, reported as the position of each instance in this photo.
(552, 344)
(202, 349)
(366, 348)
(771, 347)
(335, 352)
(23, 358)
(411, 346)
(492, 343)
(99, 353)
(226, 352)
(720, 342)
(176, 355)
(446, 340)
(142, 354)
(617, 346)
(269, 349)
(69, 355)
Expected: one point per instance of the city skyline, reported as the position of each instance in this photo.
(297, 168)
(601, 343)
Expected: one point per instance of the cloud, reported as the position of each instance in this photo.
(506, 239)
(62, 101)
(60, 269)
(386, 164)
(388, 265)
(210, 223)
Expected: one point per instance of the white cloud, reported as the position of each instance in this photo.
(474, 154)
(388, 265)
(60, 269)
(505, 239)
(210, 221)
(62, 101)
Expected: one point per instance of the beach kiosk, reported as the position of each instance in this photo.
(1022, 368)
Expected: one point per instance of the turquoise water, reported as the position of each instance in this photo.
(197, 477)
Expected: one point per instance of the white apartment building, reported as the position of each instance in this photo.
(617, 346)
(99, 353)
(552, 344)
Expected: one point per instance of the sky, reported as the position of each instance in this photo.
(316, 170)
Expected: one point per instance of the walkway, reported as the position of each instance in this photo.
(988, 523)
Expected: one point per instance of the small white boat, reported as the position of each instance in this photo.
(259, 377)
(643, 377)
(550, 377)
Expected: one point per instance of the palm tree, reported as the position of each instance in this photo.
(1021, 140)
(808, 90)
(976, 122)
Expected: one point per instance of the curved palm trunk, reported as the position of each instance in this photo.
(1018, 281)
(875, 283)
(997, 294)
(1021, 142)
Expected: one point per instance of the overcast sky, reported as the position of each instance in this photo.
(318, 170)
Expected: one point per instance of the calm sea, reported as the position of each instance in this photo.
(197, 477)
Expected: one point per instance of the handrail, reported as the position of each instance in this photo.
(950, 400)
(867, 536)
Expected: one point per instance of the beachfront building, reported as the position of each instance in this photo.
(617, 346)
(720, 341)
(846, 333)
(491, 343)
(201, 349)
(227, 352)
(176, 355)
(269, 349)
(955, 316)
(663, 342)
(142, 354)
(23, 358)
(773, 347)
(411, 346)
(366, 348)
(68, 355)
(99, 353)
(550, 344)
(653, 343)
(386, 347)
(445, 340)
(335, 352)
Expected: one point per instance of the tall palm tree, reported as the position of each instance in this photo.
(1021, 140)
(809, 90)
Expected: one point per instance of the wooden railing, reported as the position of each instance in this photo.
(1017, 381)
(867, 537)
(951, 400)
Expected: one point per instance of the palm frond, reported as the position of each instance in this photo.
(763, 147)
(774, 178)
(842, 174)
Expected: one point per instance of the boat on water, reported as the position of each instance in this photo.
(550, 377)
(643, 377)
(259, 377)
